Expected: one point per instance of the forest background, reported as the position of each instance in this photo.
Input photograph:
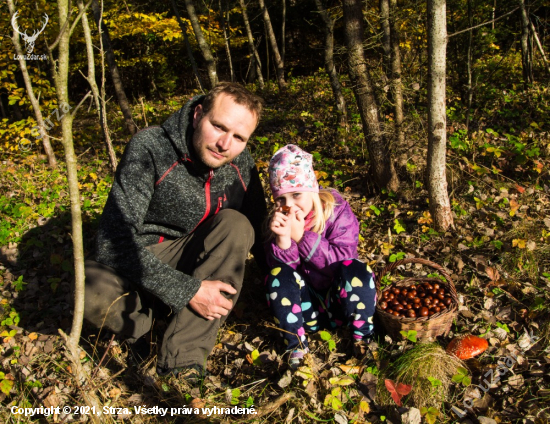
(430, 117)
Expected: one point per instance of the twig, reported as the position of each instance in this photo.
(272, 406)
(103, 357)
(84, 152)
(88, 94)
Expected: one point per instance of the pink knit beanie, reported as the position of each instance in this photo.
(290, 170)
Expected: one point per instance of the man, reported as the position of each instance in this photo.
(185, 208)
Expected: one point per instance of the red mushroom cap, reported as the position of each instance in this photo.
(466, 347)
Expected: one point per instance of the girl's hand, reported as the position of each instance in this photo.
(297, 224)
(280, 226)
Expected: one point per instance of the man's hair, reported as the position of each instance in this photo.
(238, 93)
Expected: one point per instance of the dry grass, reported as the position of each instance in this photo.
(414, 368)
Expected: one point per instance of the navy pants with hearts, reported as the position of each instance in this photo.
(298, 307)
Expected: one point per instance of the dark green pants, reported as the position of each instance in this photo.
(217, 250)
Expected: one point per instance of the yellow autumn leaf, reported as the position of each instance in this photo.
(33, 336)
(519, 243)
(344, 380)
(93, 176)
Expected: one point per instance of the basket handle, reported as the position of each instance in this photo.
(426, 262)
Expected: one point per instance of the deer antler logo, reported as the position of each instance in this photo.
(29, 41)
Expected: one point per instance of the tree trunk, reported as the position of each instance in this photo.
(329, 64)
(381, 163)
(224, 14)
(273, 41)
(251, 46)
(183, 27)
(527, 64)
(386, 33)
(396, 84)
(61, 77)
(34, 101)
(469, 65)
(539, 45)
(440, 207)
(115, 75)
(203, 45)
(100, 105)
(283, 34)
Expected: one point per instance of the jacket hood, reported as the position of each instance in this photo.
(179, 127)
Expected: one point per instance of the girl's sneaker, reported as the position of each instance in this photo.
(297, 358)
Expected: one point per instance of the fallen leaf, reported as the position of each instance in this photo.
(397, 390)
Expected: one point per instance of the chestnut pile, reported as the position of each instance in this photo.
(417, 300)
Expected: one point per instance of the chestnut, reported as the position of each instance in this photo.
(383, 305)
(447, 301)
(437, 309)
(424, 311)
(411, 313)
(416, 300)
(436, 286)
(398, 307)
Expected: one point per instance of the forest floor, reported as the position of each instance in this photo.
(498, 255)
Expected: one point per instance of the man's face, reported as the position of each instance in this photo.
(222, 134)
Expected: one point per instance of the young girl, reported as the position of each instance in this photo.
(316, 280)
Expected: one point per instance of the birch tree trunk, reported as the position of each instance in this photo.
(329, 64)
(382, 167)
(527, 64)
(396, 84)
(203, 45)
(34, 101)
(183, 27)
(251, 46)
(440, 207)
(100, 105)
(273, 41)
(113, 68)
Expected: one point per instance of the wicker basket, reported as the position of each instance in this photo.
(427, 328)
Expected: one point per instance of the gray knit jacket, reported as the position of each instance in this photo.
(161, 192)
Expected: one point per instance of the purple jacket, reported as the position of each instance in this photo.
(317, 256)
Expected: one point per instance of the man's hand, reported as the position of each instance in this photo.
(209, 302)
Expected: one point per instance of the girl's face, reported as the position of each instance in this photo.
(302, 200)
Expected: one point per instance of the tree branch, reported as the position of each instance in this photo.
(484, 23)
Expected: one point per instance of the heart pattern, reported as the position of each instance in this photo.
(356, 282)
(285, 302)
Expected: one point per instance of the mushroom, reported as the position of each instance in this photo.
(467, 346)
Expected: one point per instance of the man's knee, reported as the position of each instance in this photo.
(235, 226)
